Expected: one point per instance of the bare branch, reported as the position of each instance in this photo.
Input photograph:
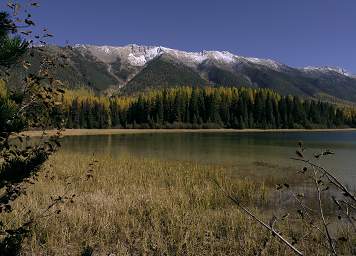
(329, 176)
(253, 216)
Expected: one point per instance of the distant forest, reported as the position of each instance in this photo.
(209, 107)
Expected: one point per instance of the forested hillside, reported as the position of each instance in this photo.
(163, 72)
(193, 107)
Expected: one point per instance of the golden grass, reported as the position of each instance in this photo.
(145, 207)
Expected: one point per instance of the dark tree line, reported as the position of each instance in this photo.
(188, 107)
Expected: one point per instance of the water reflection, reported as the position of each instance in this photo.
(226, 148)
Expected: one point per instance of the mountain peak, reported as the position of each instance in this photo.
(139, 55)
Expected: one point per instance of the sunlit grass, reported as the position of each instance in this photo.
(136, 206)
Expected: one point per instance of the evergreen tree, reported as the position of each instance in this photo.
(237, 108)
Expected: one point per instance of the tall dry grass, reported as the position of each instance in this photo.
(148, 207)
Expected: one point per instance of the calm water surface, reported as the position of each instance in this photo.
(227, 148)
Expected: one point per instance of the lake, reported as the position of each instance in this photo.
(240, 149)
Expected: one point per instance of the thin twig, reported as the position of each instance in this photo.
(306, 208)
(330, 177)
(248, 212)
(321, 211)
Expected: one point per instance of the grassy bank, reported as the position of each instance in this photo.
(149, 207)
(79, 132)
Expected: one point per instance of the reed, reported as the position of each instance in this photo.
(140, 206)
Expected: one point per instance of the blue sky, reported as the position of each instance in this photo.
(296, 32)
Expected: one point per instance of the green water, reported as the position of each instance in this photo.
(273, 149)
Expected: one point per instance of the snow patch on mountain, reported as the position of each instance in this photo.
(137, 60)
(225, 57)
(190, 57)
(338, 70)
(265, 62)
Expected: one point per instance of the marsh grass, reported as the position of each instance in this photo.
(138, 206)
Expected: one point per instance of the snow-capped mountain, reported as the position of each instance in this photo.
(132, 68)
(137, 55)
(134, 54)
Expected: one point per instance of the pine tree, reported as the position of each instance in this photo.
(194, 107)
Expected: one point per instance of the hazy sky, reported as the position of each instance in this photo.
(295, 32)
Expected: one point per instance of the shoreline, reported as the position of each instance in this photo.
(88, 132)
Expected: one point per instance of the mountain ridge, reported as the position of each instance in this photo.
(205, 54)
(133, 68)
